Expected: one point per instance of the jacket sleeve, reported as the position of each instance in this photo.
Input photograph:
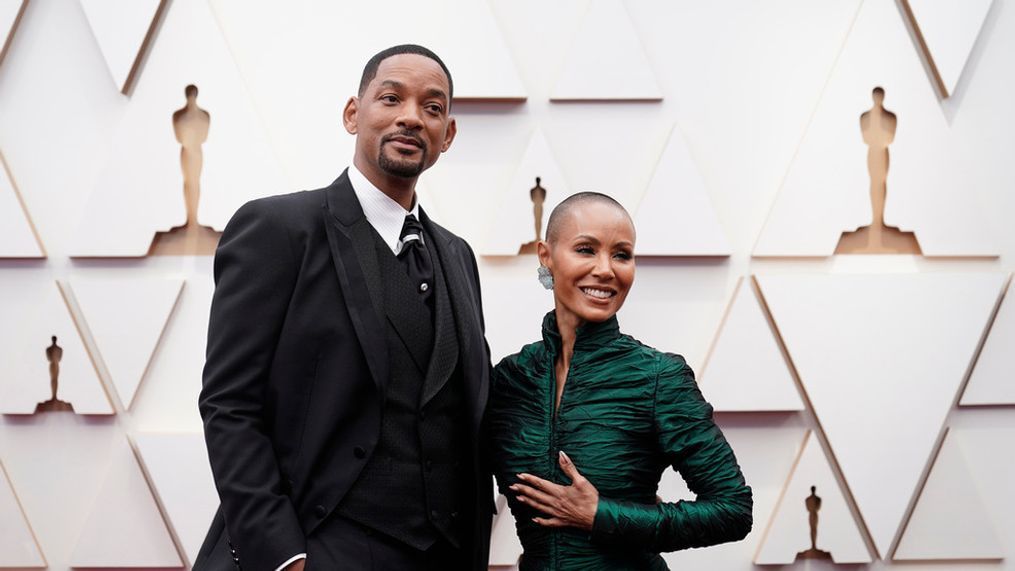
(695, 447)
(255, 272)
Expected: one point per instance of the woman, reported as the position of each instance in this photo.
(584, 422)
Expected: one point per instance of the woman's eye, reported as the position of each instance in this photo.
(623, 256)
(584, 250)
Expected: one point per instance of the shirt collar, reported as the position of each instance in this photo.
(383, 213)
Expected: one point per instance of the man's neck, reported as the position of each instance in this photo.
(400, 189)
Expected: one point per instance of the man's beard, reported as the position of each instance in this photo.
(401, 168)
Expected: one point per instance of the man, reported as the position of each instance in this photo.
(347, 371)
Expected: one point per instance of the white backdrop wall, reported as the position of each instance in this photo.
(736, 82)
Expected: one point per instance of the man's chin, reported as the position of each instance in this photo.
(403, 169)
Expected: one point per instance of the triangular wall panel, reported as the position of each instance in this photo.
(126, 317)
(17, 236)
(124, 527)
(950, 520)
(10, 13)
(746, 370)
(606, 60)
(826, 190)
(177, 465)
(18, 547)
(120, 27)
(788, 531)
(45, 315)
(676, 216)
(513, 220)
(145, 178)
(993, 378)
(949, 28)
(877, 346)
(482, 64)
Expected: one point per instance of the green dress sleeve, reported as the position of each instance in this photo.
(693, 445)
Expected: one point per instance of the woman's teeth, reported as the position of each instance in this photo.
(599, 293)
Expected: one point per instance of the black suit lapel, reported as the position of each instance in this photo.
(465, 309)
(445, 346)
(352, 251)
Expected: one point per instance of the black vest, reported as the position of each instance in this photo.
(414, 483)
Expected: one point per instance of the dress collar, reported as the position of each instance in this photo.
(590, 335)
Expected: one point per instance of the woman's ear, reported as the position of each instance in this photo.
(543, 252)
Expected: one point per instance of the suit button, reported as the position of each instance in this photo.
(435, 514)
(320, 511)
(359, 452)
(429, 466)
(454, 515)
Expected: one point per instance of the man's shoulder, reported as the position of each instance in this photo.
(292, 203)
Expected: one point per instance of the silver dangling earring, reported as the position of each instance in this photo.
(545, 277)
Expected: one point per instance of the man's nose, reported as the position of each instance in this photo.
(410, 117)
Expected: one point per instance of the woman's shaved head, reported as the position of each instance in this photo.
(567, 207)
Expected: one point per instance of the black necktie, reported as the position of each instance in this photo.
(416, 257)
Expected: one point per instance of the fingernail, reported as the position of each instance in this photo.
(564, 456)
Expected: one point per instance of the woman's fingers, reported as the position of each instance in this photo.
(531, 493)
(550, 522)
(569, 468)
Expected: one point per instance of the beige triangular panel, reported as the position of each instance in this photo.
(475, 52)
(165, 401)
(34, 358)
(950, 520)
(606, 60)
(177, 466)
(827, 189)
(993, 378)
(126, 317)
(18, 547)
(17, 235)
(124, 527)
(505, 547)
(746, 370)
(121, 27)
(140, 191)
(867, 346)
(676, 216)
(949, 29)
(789, 531)
(10, 14)
(513, 221)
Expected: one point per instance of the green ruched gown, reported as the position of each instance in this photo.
(627, 413)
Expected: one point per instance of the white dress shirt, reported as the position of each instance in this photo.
(387, 217)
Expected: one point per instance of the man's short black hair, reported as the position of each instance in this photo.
(370, 69)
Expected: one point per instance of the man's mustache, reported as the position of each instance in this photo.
(405, 135)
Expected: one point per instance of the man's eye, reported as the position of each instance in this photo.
(389, 99)
(435, 109)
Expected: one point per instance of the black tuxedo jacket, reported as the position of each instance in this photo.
(297, 366)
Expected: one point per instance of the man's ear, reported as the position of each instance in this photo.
(349, 115)
(449, 135)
